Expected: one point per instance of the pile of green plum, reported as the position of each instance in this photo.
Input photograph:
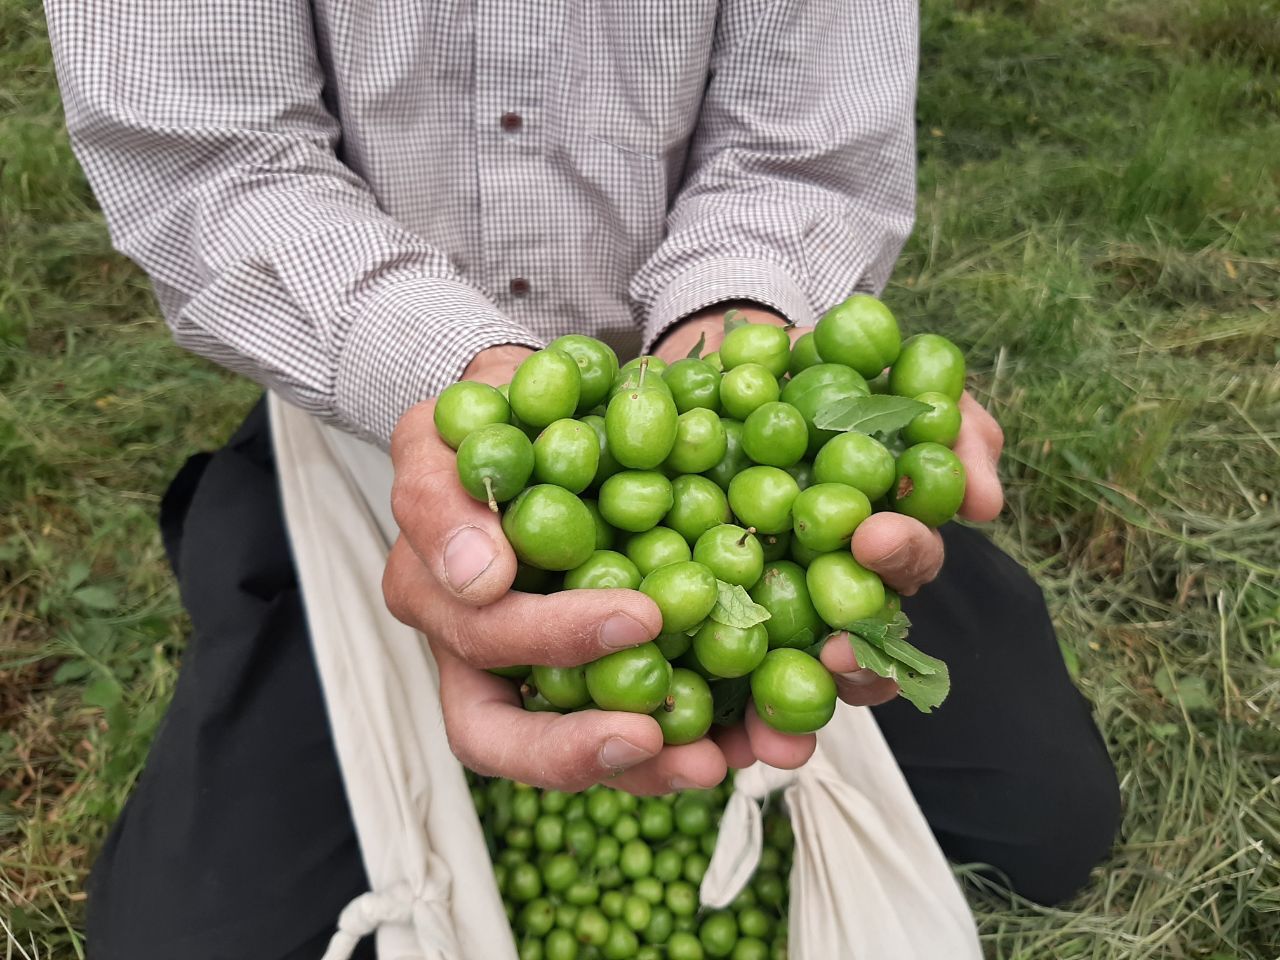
(727, 488)
(603, 876)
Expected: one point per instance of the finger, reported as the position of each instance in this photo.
(978, 446)
(786, 751)
(563, 629)
(855, 685)
(458, 539)
(693, 766)
(492, 734)
(735, 745)
(902, 550)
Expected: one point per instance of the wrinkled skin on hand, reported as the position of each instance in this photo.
(450, 572)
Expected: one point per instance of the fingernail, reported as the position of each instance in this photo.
(861, 678)
(467, 555)
(681, 783)
(618, 754)
(621, 630)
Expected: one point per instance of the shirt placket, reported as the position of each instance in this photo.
(515, 49)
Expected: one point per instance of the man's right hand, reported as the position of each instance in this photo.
(449, 576)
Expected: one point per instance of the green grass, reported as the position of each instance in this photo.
(1099, 227)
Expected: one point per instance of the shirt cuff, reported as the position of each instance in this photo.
(410, 340)
(727, 278)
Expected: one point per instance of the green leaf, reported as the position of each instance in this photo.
(879, 413)
(924, 690)
(1191, 692)
(76, 573)
(917, 660)
(734, 608)
(96, 597)
(871, 657)
(103, 692)
(729, 700)
(881, 629)
(734, 319)
(72, 670)
(696, 352)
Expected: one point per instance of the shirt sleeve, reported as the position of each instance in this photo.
(800, 181)
(202, 128)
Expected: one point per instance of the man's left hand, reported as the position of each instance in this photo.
(902, 550)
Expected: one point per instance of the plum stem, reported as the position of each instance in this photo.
(488, 489)
(742, 540)
(669, 704)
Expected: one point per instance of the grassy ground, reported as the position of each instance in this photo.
(1099, 226)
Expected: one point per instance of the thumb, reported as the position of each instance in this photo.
(457, 538)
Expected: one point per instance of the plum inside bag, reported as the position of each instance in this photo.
(868, 880)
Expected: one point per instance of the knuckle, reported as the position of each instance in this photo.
(995, 436)
(394, 593)
(406, 498)
(470, 643)
(409, 428)
(463, 747)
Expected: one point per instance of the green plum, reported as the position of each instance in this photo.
(685, 715)
(930, 484)
(641, 427)
(597, 367)
(826, 515)
(843, 591)
(545, 388)
(566, 453)
(733, 554)
(860, 333)
(635, 500)
(700, 442)
(635, 680)
(928, 363)
(604, 570)
(857, 460)
(685, 592)
(761, 497)
(548, 527)
(775, 434)
(494, 463)
(697, 505)
(656, 548)
(784, 591)
(744, 388)
(466, 406)
(761, 343)
(793, 692)
(694, 384)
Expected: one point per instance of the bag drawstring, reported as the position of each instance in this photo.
(427, 911)
(741, 838)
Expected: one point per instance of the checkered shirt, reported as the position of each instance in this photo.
(346, 200)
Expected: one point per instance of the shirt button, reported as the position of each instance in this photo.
(518, 287)
(511, 122)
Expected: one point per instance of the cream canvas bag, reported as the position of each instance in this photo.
(868, 881)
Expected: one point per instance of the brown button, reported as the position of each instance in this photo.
(519, 287)
(511, 122)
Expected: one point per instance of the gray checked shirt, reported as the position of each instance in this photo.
(346, 200)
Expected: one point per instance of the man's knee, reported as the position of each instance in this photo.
(1064, 825)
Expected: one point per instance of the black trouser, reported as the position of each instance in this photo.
(237, 843)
